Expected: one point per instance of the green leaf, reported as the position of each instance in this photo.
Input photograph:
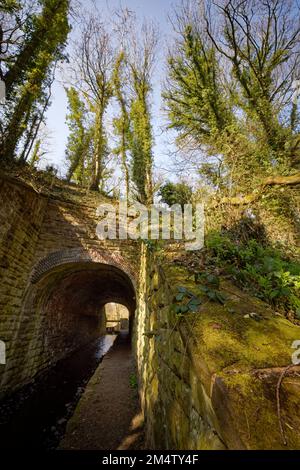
(179, 297)
(211, 295)
(213, 280)
(274, 293)
(193, 308)
(204, 289)
(195, 301)
(198, 277)
(285, 291)
(183, 290)
(220, 298)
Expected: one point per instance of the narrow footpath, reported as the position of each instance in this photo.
(108, 415)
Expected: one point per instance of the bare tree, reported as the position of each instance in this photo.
(94, 57)
(141, 47)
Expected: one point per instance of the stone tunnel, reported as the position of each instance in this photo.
(206, 384)
(57, 279)
(66, 308)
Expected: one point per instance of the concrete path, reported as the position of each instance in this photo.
(108, 415)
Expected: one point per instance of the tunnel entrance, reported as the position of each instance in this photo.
(117, 318)
(73, 309)
(66, 309)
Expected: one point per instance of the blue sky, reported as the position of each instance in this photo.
(157, 10)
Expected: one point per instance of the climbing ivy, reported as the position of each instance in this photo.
(210, 285)
(189, 302)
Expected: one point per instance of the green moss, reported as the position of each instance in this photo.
(232, 365)
(224, 336)
(223, 339)
(250, 408)
(255, 416)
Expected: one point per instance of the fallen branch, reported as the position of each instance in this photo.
(249, 198)
(283, 180)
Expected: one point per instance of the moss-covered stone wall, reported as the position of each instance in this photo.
(21, 216)
(209, 380)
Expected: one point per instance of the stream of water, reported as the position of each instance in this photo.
(36, 416)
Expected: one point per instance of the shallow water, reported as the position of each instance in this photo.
(36, 416)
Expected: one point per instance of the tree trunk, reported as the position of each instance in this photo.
(16, 127)
(125, 166)
(99, 152)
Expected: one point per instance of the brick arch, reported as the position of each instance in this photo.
(63, 304)
(46, 238)
(77, 255)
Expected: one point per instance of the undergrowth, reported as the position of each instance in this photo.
(262, 270)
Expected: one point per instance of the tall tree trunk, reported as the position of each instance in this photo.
(125, 165)
(30, 139)
(35, 155)
(99, 151)
(16, 127)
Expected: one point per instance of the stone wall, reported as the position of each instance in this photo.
(21, 216)
(209, 379)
